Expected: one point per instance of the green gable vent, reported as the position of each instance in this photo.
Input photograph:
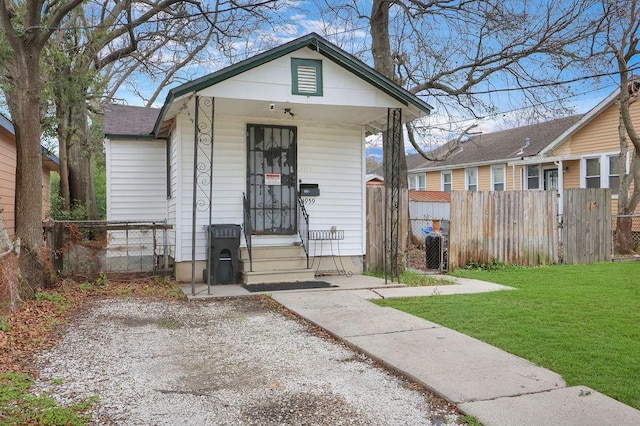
(306, 77)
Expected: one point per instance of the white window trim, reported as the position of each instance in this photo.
(414, 182)
(442, 182)
(504, 177)
(540, 176)
(466, 178)
(604, 168)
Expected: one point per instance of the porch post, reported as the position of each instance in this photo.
(202, 177)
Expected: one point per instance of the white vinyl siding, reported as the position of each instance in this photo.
(332, 157)
(271, 83)
(175, 193)
(136, 185)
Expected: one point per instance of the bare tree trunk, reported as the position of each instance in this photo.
(80, 151)
(25, 110)
(63, 132)
(383, 63)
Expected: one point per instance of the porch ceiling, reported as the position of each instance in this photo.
(373, 118)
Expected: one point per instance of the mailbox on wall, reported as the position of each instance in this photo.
(309, 190)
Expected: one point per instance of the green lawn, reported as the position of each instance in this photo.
(581, 321)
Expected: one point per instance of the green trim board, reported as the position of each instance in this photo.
(302, 72)
(314, 42)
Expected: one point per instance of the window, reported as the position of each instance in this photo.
(497, 178)
(592, 176)
(418, 182)
(533, 177)
(614, 173)
(447, 181)
(550, 179)
(471, 177)
(306, 77)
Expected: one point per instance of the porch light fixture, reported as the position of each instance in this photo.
(288, 111)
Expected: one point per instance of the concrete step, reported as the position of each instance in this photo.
(276, 264)
(277, 276)
(272, 252)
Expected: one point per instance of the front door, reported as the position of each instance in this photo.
(271, 179)
(551, 179)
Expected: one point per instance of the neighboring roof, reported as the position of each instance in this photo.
(52, 161)
(430, 196)
(125, 121)
(373, 176)
(50, 158)
(496, 146)
(7, 124)
(312, 41)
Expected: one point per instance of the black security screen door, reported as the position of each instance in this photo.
(271, 178)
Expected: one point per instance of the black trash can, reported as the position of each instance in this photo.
(432, 249)
(224, 251)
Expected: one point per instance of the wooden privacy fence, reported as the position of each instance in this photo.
(374, 259)
(525, 227)
(516, 227)
(375, 254)
(586, 232)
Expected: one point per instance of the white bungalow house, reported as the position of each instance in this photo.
(275, 145)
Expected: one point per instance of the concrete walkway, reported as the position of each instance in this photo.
(496, 387)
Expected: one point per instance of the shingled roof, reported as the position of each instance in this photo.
(498, 146)
(430, 196)
(129, 121)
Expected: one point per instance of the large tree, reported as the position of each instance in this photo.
(88, 37)
(620, 42)
(104, 45)
(467, 56)
(27, 27)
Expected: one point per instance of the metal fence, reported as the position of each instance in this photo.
(432, 235)
(90, 247)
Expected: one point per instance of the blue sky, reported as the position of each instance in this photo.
(302, 17)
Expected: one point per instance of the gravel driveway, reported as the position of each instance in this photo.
(223, 362)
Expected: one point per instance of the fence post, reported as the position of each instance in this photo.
(58, 246)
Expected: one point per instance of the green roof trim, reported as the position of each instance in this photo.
(312, 41)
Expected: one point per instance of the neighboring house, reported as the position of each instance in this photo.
(485, 162)
(290, 121)
(374, 180)
(586, 155)
(8, 161)
(429, 205)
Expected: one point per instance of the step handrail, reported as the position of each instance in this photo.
(303, 227)
(246, 228)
